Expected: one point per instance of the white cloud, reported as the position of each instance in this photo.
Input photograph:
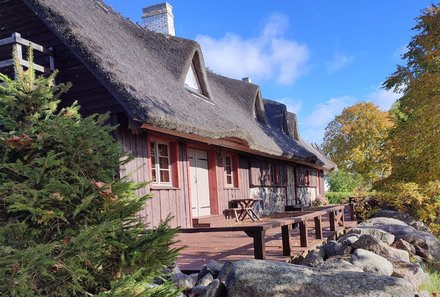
(313, 125)
(339, 61)
(383, 98)
(269, 56)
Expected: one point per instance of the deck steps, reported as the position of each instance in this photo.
(206, 221)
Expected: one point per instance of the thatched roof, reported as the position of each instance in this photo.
(145, 72)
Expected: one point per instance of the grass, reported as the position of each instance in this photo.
(433, 286)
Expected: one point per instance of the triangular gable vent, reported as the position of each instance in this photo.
(192, 81)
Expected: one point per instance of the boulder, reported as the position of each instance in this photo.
(197, 291)
(183, 281)
(370, 262)
(380, 248)
(206, 280)
(348, 239)
(213, 267)
(259, 278)
(404, 245)
(337, 264)
(333, 248)
(215, 289)
(402, 217)
(314, 258)
(386, 237)
(411, 272)
(402, 230)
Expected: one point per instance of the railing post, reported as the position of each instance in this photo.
(332, 219)
(303, 235)
(285, 233)
(318, 227)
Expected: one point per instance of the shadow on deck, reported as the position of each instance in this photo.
(280, 237)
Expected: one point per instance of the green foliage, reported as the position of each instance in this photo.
(342, 181)
(338, 197)
(421, 202)
(71, 228)
(433, 284)
(416, 151)
(356, 141)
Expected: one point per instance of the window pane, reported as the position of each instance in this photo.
(229, 180)
(164, 176)
(228, 169)
(191, 80)
(163, 150)
(228, 161)
(163, 162)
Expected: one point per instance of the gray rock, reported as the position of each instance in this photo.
(380, 248)
(423, 294)
(338, 264)
(205, 281)
(333, 248)
(386, 237)
(197, 291)
(370, 262)
(404, 245)
(194, 276)
(404, 218)
(348, 239)
(213, 267)
(182, 281)
(402, 230)
(314, 258)
(411, 272)
(225, 271)
(216, 289)
(259, 278)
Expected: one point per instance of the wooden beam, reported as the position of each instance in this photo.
(303, 235)
(318, 227)
(352, 211)
(285, 232)
(259, 243)
(6, 63)
(332, 220)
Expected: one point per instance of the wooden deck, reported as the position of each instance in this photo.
(226, 240)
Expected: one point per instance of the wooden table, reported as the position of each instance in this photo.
(247, 208)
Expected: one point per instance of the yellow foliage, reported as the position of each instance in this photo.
(420, 201)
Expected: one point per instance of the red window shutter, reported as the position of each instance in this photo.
(174, 157)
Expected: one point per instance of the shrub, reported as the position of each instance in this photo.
(343, 181)
(69, 227)
(420, 201)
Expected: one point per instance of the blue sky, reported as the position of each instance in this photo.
(317, 57)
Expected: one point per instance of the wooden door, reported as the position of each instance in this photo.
(291, 193)
(199, 179)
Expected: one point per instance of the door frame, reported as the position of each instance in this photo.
(212, 178)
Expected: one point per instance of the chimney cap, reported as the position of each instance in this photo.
(247, 79)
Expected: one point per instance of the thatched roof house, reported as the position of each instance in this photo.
(140, 76)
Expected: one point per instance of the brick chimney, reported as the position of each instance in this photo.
(159, 18)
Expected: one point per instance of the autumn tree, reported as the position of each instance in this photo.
(356, 140)
(415, 139)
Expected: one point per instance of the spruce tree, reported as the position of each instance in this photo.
(69, 226)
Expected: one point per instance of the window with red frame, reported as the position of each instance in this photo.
(164, 170)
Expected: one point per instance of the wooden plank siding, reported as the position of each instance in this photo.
(240, 192)
(171, 201)
(87, 90)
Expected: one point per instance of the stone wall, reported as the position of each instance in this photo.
(306, 195)
(273, 199)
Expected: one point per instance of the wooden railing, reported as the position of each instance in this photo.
(18, 43)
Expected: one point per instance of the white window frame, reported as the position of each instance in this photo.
(231, 185)
(157, 163)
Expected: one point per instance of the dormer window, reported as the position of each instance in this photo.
(191, 81)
